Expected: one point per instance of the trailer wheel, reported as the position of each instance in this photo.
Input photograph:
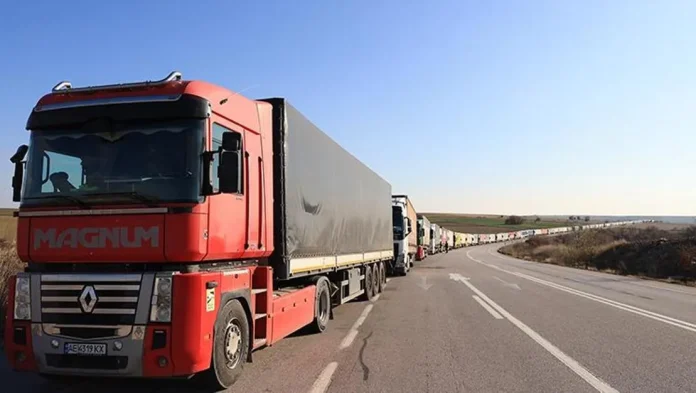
(382, 277)
(322, 305)
(376, 278)
(230, 347)
(369, 286)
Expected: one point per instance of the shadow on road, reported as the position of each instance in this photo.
(32, 383)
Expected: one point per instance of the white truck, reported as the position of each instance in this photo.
(405, 237)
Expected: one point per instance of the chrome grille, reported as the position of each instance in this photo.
(89, 299)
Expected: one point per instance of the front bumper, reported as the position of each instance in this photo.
(126, 359)
(138, 349)
(144, 352)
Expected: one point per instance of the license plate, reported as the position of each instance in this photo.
(85, 349)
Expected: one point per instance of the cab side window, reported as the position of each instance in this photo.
(218, 130)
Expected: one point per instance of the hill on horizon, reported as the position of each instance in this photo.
(493, 223)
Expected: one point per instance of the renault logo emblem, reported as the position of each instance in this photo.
(88, 299)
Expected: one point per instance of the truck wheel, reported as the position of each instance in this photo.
(230, 347)
(369, 286)
(322, 305)
(382, 277)
(376, 279)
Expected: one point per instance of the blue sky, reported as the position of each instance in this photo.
(527, 107)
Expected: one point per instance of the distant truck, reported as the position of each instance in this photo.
(449, 238)
(423, 236)
(405, 237)
(458, 240)
(435, 239)
(172, 227)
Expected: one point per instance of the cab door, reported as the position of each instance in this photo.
(253, 184)
(227, 217)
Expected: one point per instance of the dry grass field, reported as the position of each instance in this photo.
(9, 262)
(664, 251)
(488, 223)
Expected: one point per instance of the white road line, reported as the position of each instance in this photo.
(571, 363)
(324, 380)
(348, 340)
(594, 274)
(468, 254)
(362, 317)
(353, 332)
(374, 299)
(499, 255)
(642, 284)
(487, 307)
(639, 311)
(622, 306)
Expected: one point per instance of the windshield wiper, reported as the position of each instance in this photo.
(149, 200)
(70, 198)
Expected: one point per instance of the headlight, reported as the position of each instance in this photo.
(22, 299)
(161, 305)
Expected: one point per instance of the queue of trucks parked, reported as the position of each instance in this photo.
(171, 228)
(441, 237)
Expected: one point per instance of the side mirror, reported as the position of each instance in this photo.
(229, 166)
(18, 160)
(231, 141)
(409, 229)
(20, 154)
(229, 172)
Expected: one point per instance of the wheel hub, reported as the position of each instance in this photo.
(233, 343)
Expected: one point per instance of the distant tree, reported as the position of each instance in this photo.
(537, 219)
(571, 218)
(514, 220)
(587, 218)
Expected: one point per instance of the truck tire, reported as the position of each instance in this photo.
(376, 278)
(230, 347)
(322, 305)
(369, 286)
(382, 276)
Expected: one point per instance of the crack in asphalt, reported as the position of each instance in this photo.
(366, 370)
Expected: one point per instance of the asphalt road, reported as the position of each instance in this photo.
(473, 320)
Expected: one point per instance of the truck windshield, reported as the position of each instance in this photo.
(157, 161)
(398, 220)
